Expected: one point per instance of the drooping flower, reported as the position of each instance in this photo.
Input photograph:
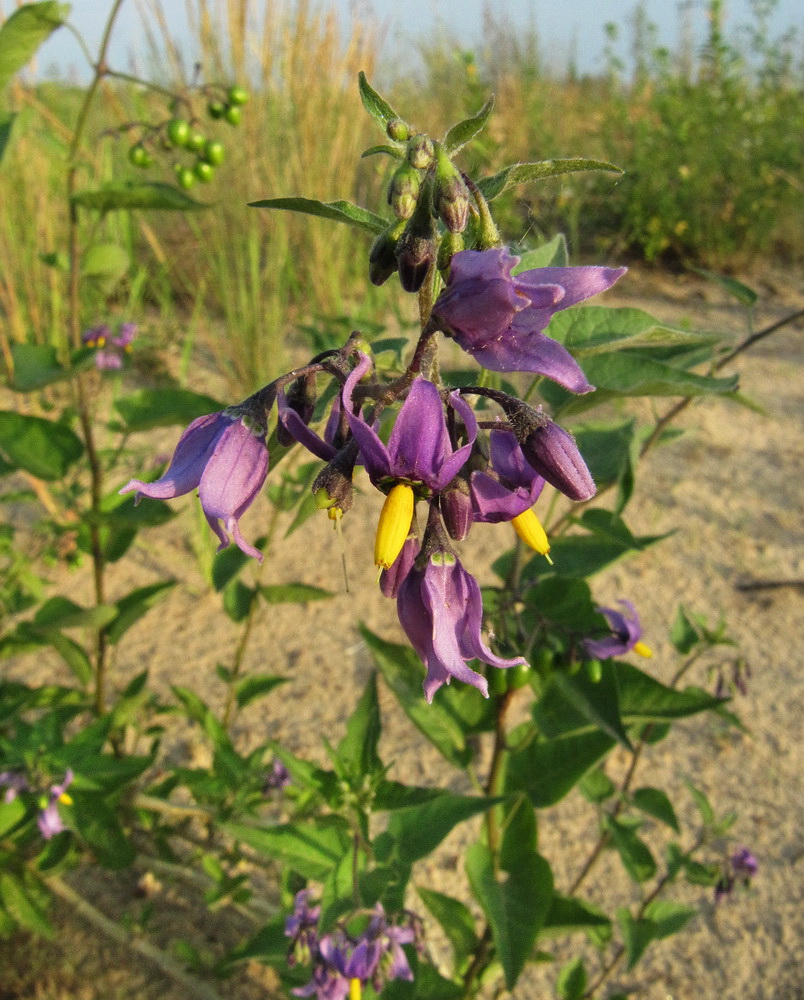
(225, 456)
(302, 929)
(441, 611)
(627, 634)
(741, 868)
(514, 487)
(49, 819)
(499, 318)
(13, 782)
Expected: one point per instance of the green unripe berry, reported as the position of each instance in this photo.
(518, 676)
(233, 115)
(213, 152)
(216, 109)
(237, 95)
(138, 156)
(185, 177)
(196, 140)
(204, 171)
(178, 131)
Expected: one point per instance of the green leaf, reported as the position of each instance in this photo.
(554, 253)
(669, 917)
(379, 109)
(10, 814)
(312, 849)
(456, 920)
(597, 786)
(61, 612)
(197, 710)
(357, 751)
(568, 913)
(293, 593)
(42, 447)
(402, 671)
(522, 173)
(596, 330)
(683, 634)
(702, 803)
(238, 599)
(99, 827)
(515, 904)
(24, 31)
(337, 211)
(417, 831)
(655, 802)
(630, 373)
(571, 982)
(35, 366)
(6, 123)
(228, 563)
(392, 151)
(134, 606)
(637, 935)
(130, 195)
(634, 853)
(607, 449)
(644, 699)
(105, 260)
(465, 131)
(599, 702)
(745, 296)
(74, 656)
(256, 686)
(519, 831)
(549, 770)
(18, 897)
(148, 408)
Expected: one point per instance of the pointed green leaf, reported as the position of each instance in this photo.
(549, 770)
(143, 195)
(148, 408)
(24, 31)
(6, 123)
(417, 831)
(522, 173)
(313, 849)
(669, 917)
(35, 366)
(745, 295)
(571, 982)
(256, 686)
(519, 831)
(515, 903)
(61, 612)
(465, 131)
(379, 109)
(702, 803)
(10, 814)
(19, 900)
(634, 853)
(42, 447)
(630, 373)
(554, 253)
(644, 699)
(403, 672)
(637, 935)
(683, 634)
(595, 330)
(74, 656)
(338, 896)
(392, 151)
(357, 751)
(456, 920)
(599, 702)
(134, 606)
(292, 593)
(655, 802)
(568, 913)
(337, 211)
(100, 828)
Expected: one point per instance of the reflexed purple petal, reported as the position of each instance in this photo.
(627, 631)
(470, 639)
(455, 461)
(391, 578)
(299, 430)
(579, 283)
(535, 352)
(189, 460)
(492, 502)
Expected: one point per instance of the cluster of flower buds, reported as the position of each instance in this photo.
(424, 189)
(342, 963)
(436, 456)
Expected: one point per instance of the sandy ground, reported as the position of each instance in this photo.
(731, 487)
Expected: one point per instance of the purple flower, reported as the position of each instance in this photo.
(499, 319)
(627, 634)
(277, 778)
(741, 867)
(14, 782)
(49, 820)
(225, 456)
(419, 450)
(441, 611)
(513, 489)
(110, 351)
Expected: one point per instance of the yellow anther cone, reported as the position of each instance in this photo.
(394, 525)
(643, 650)
(355, 991)
(530, 530)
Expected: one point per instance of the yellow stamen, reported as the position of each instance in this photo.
(394, 525)
(355, 990)
(66, 799)
(643, 650)
(530, 530)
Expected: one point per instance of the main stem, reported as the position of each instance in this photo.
(79, 382)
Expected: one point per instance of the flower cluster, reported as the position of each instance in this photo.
(342, 963)
(436, 455)
(48, 819)
(110, 350)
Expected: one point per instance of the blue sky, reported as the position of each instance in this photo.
(563, 26)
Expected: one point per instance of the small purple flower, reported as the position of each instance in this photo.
(225, 456)
(14, 782)
(515, 486)
(627, 634)
(49, 820)
(499, 318)
(741, 867)
(277, 778)
(441, 611)
(110, 351)
(419, 449)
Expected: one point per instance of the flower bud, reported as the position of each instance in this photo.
(332, 487)
(451, 243)
(404, 190)
(382, 256)
(397, 130)
(420, 151)
(414, 255)
(456, 508)
(450, 193)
